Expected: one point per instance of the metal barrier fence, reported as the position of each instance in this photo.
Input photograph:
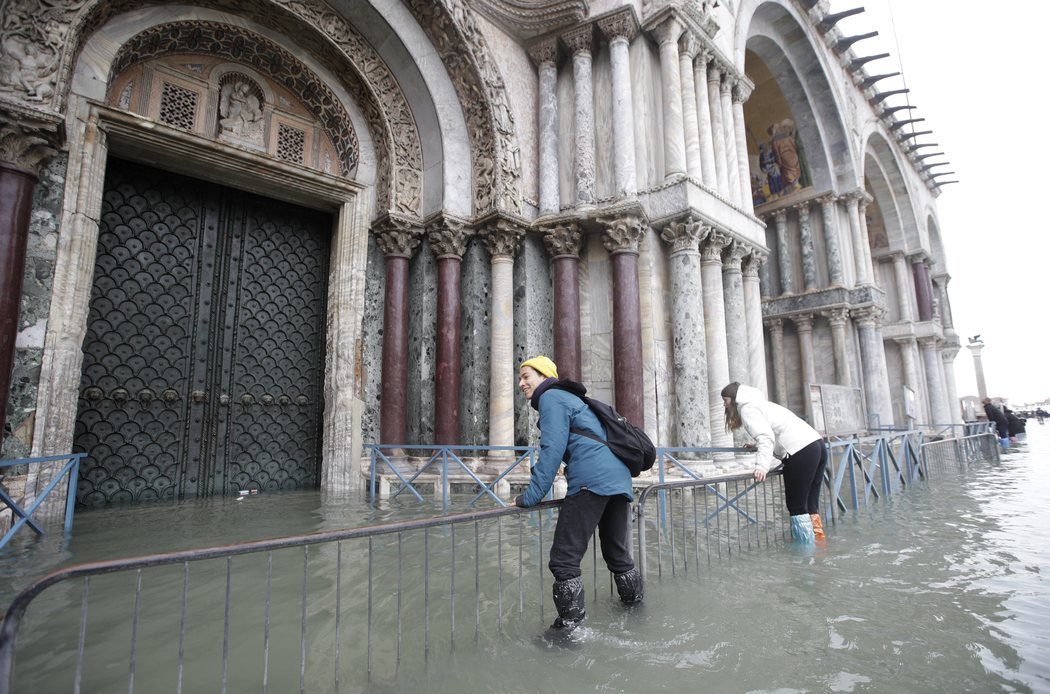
(940, 455)
(69, 471)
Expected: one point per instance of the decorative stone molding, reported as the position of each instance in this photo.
(502, 238)
(869, 316)
(688, 46)
(544, 51)
(27, 138)
(579, 40)
(623, 233)
(620, 26)
(742, 90)
(563, 240)
(714, 243)
(448, 237)
(531, 17)
(837, 316)
(669, 30)
(803, 321)
(733, 254)
(775, 326)
(685, 235)
(752, 265)
(397, 236)
(32, 40)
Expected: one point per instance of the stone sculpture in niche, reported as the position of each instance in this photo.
(241, 116)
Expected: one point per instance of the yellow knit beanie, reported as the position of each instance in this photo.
(543, 365)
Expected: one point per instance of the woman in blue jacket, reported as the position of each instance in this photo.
(599, 491)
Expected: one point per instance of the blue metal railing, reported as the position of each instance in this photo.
(70, 470)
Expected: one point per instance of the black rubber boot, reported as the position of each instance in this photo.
(629, 585)
(568, 599)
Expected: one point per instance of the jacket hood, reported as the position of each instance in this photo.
(748, 394)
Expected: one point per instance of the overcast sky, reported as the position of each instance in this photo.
(974, 70)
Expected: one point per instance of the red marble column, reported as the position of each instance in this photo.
(622, 238)
(446, 418)
(923, 289)
(563, 244)
(16, 199)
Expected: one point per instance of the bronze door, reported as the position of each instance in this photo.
(204, 353)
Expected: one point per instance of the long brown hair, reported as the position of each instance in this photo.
(732, 413)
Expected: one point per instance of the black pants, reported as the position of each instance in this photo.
(803, 475)
(580, 514)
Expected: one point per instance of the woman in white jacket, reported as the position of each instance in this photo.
(778, 433)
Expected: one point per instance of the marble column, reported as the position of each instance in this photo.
(940, 290)
(787, 282)
(735, 316)
(732, 168)
(703, 120)
(718, 138)
(622, 236)
(715, 332)
(741, 93)
(449, 239)
(687, 49)
(667, 34)
(620, 29)
(839, 319)
(579, 43)
(502, 238)
(873, 365)
(804, 324)
(954, 406)
(546, 56)
(910, 360)
(860, 258)
(563, 243)
(978, 368)
(776, 337)
(903, 280)
(756, 350)
(397, 239)
(690, 344)
(623, 233)
(831, 240)
(863, 200)
(923, 287)
(931, 359)
(809, 254)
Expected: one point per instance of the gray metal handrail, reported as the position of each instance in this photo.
(69, 470)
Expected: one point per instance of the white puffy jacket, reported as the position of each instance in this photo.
(777, 430)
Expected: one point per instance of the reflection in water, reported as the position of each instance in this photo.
(939, 588)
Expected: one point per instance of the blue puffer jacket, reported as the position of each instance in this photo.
(589, 464)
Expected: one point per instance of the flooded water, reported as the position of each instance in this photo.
(942, 587)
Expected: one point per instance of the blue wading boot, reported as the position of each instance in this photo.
(629, 586)
(802, 529)
(568, 600)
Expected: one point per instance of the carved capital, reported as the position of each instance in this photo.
(837, 316)
(502, 238)
(685, 235)
(688, 45)
(621, 25)
(803, 321)
(579, 40)
(868, 316)
(742, 91)
(711, 248)
(802, 209)
(753, 263)
(622, 233)
(397, 237)
(780, 217)
(714, 71)
(563, 240)
(544, 51)
(734, 253)
(775, 327)
(827, 200)
(725, 88)
(930, 343)
(449, 237)
(668, 31)
(27, 138)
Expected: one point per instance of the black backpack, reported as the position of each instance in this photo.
(629, 443)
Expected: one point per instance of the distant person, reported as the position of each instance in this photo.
(779, 433)
(1014, 425)
(599, 494)
(1040, 414)
(996, 415)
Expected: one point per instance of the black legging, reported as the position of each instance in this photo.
(803, 475)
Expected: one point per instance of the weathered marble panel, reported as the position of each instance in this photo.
(372, 341)
(476, 342)
(422, 345)
(604, 153)
(533, 321)
(654, 284)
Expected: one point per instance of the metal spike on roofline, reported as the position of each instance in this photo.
(901, 123)
(927, 156)
(844, 43)
(938, 184)
(834, 18)
(893, 109)
(867, 82)
(921, 145)
(857, 63)
(882, 96)
(908, 136)
(927, 167)
(942, 173)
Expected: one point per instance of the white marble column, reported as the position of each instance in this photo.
(863, 201)
(735, 316)
(741, 92)
(502, 240)
(776, 337)
(861, 263)
(873, 365)
(690, 343)
(715, 332)
(954, 406)
(756, 350)
(787, 282)
(579, 42)
(732, 168)
(839, 319)
(931, 358)
(687, 48)
(807, 360)
(718, 137)
(910, 361)
(667, 34)
(703, 120)
(809, 254)
(978, 368)
(546, 55)
(831, 240)
(902, 276)
(620, 29)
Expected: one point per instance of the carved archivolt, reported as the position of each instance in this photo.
(483, 97)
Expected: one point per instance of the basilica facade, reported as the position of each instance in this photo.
(246, 237)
